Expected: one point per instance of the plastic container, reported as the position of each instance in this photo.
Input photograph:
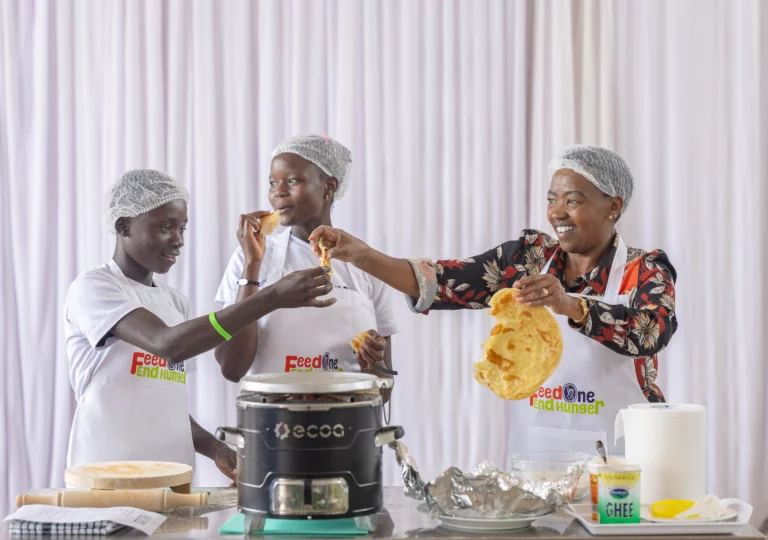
(593, 467)
(618, 494)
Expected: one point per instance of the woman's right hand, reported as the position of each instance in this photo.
(249, 235)
(340, 245)
(302, 289)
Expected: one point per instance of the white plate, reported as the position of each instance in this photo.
(645, 514)
(583, 514)
(483, 524)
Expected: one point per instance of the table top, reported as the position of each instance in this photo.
(400, 519)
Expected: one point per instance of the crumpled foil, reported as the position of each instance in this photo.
(415, 488)
(486, 491)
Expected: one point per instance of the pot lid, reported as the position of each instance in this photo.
(313, 382)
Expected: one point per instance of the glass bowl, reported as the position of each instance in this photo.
(550, 467)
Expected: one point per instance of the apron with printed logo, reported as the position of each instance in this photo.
(577, 405)
(135, 407)
(310, 339)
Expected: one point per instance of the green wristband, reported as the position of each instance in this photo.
(223, 333)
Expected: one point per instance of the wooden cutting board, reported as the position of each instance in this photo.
(131, 475)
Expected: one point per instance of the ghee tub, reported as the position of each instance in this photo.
(592, 469)
(618, 494)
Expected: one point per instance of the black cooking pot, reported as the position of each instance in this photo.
(310, 455)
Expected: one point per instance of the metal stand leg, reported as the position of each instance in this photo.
(253, 524)
(366, 523)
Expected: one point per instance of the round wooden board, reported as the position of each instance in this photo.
(129, 475)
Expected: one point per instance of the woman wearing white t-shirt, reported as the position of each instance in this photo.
(128, 336)
(307, 175)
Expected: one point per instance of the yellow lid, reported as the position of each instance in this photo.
(670, 508)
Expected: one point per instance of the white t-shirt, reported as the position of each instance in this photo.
(300, 256)
(96, 301)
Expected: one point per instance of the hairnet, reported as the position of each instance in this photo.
(142, 190)
(605, 169)
(331, 156)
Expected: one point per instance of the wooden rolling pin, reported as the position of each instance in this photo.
(154, 500)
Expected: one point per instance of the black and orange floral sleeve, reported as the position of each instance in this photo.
(645, 326)
(470, 283)
(639, 330)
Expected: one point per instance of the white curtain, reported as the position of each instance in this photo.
(452, 110)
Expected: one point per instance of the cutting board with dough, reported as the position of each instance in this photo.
(131, 475)
(123, 483)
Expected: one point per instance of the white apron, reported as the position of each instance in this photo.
(310, 339)
(135, 407)
(577, 405)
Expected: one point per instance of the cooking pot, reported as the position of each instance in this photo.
(309, 446)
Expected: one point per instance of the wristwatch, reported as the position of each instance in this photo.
(242, 282)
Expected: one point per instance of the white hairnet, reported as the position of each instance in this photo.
(605, 169)
(331, 156)
(142, 190)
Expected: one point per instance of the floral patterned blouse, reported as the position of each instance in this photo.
(640, 331)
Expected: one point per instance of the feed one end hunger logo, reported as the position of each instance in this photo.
(566, 399)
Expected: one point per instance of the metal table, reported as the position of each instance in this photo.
(399, 520)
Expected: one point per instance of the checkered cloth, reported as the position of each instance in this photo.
(95, 528)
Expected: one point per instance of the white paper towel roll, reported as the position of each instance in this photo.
(668, 442)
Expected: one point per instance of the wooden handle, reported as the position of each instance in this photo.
(50, 499)
(146, 499)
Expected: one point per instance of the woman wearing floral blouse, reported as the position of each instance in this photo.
(615, 305)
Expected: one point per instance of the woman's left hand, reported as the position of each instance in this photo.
(226, 461)
(546, 290)
(371, 352)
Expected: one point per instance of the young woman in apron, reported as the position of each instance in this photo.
(614, 305)
(128, 336)
(308, 174)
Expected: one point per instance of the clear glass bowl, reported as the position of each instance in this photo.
(550, 467)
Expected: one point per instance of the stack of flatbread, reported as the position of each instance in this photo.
(523, 350)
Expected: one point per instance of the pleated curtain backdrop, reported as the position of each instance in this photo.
(452, 109)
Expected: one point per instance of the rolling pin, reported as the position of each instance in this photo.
(154, 500)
